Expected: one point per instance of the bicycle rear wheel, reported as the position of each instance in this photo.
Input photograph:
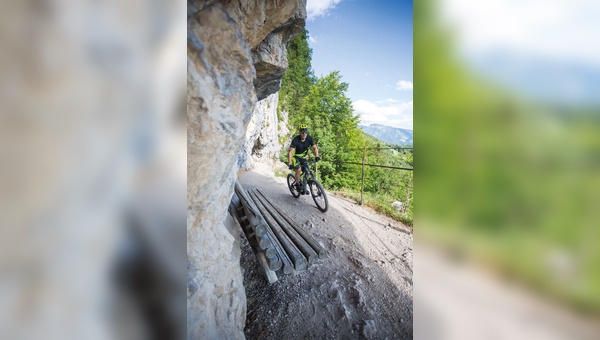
(318, 195)
(291, 180)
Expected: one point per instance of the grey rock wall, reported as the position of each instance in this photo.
(236, 50)
(91, 93)
(270, 62)
(262, 134)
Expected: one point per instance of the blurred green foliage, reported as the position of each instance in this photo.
(511, 181)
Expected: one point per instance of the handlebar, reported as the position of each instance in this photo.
(306, 161)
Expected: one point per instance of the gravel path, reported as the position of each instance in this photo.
(361, 288)
(458, 300)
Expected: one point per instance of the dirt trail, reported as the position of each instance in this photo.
(362, 287)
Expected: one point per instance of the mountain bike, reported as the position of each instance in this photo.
(307, 177)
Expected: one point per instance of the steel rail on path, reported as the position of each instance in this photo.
(363, 164)
(377, 165)
(382, 148)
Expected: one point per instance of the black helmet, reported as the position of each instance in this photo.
(303, 128)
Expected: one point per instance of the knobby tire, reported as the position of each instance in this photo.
(319, 195)
(291, 179)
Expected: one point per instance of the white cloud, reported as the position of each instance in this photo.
(551, 29)
(388, 101)
(389, 112)
(317, 8)
(312, 39)
(404, 85)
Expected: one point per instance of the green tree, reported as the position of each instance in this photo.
(322, 104)
(329, 114)
(298, 77)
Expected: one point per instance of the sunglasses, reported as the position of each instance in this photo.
(303, 131)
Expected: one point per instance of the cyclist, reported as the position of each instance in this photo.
(299, 147)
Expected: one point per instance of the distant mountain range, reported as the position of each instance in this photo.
(389, 134)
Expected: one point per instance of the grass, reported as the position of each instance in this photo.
(282, 174)
(528, 262)
(380, 203)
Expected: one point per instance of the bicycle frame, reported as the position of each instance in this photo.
(308, 179)
(305, 173)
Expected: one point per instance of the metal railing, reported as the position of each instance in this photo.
(363, 164)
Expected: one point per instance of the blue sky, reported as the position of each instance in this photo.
(545, 49)
(371, 43)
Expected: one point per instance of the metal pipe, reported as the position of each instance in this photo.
(290, 248)
(379, 166)
(267, 266)
(256, 221)
(263, 243)
(298, 240)
(286, 264)
(279, 258)
(263, 261)
(309, 239)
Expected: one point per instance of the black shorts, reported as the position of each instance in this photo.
(298, 160)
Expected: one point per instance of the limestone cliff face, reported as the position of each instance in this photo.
(263, 134)
(236, 56)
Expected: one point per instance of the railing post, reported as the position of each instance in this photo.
(362, 188)
(317, 167)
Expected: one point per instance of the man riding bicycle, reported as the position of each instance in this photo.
(299, 146)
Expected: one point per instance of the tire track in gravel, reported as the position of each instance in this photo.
(351, 208)
(361, 222)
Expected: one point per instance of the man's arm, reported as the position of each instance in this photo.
(316, 150)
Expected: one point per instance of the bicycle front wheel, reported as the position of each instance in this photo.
(291, 179)
(319, 195)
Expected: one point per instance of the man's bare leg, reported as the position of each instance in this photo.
(298, 176)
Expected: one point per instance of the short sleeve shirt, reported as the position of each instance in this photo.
(302, 146)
